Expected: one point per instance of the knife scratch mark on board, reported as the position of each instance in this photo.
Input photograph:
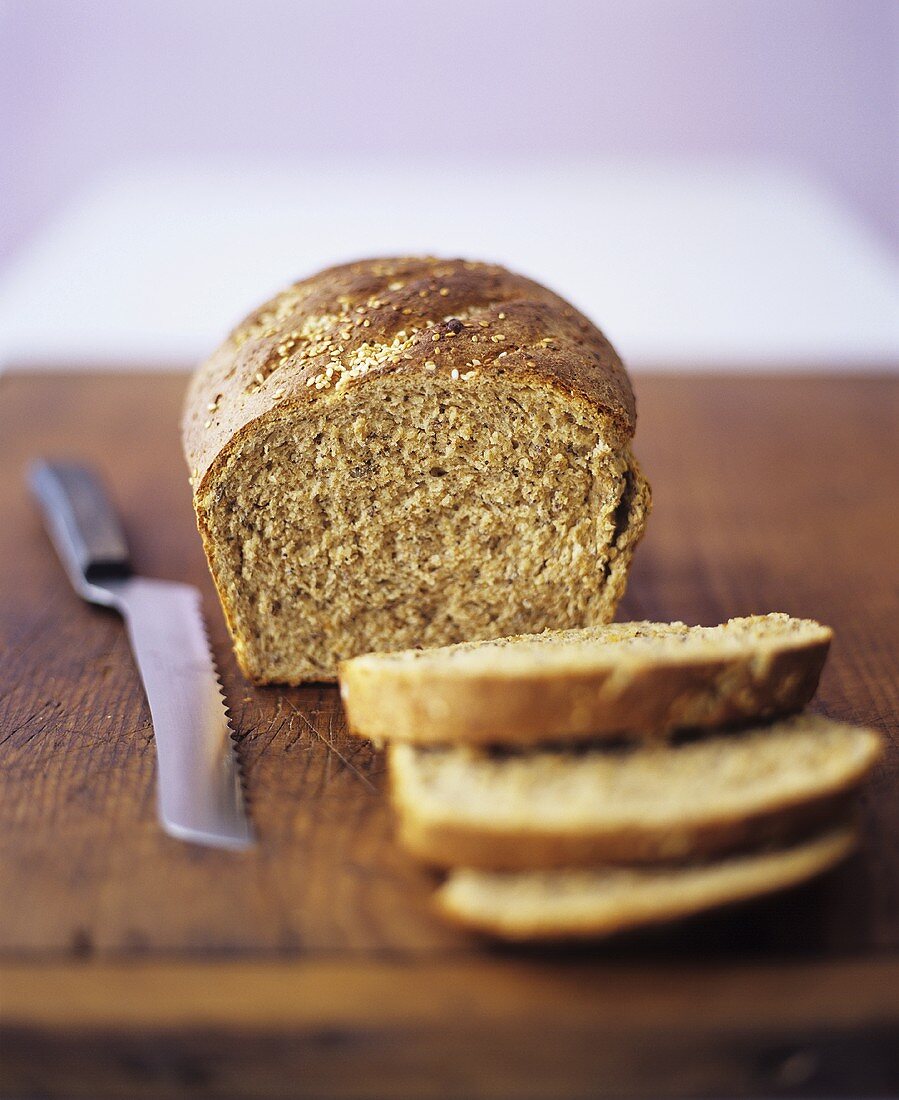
(25, 722)
(333, 748)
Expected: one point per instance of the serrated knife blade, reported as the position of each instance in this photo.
(200, 793)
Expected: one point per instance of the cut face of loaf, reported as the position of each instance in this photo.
(582, 904)
(693, 799)
(411, 453)
(631, 680)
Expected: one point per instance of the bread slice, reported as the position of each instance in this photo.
(634, 680)
(411, 451)
(579, 904)
(694, 799)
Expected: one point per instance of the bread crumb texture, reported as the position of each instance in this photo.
(411, 452)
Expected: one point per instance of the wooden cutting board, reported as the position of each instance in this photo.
(137, 965)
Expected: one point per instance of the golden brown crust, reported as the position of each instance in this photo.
(458, 844)
(405, 314)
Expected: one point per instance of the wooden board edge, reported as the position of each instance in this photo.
(491, 1027)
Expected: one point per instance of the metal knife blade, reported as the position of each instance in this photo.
(199, 784)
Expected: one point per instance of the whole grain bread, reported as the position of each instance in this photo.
(633, 680)
(694, 799)
(580, 904)
(409, 451)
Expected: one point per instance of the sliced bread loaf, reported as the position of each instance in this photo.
(695, 799)
(576, 904)
(411, 451)
(636, 680)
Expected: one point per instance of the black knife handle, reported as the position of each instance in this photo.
(81, 521)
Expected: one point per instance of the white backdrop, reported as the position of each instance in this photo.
(697, 264)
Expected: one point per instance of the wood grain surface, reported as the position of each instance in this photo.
(137, 965)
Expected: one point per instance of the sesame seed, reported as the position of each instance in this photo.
(454, 373)
(443, 292)
(436, 336)
(474, 339)
(502, 316)
(208, 424)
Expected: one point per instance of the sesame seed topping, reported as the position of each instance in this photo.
(443, 292)
(454, 373)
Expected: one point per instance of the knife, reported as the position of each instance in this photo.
(199, 789)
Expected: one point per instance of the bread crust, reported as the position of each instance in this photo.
(452, 844)
(757, 875)
(638, 699)
(539, 338)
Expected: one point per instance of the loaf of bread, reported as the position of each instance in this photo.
(411, 452)
(694, 799)
(636, 680)
(577, 904)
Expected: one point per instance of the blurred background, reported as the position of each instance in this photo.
(715, 181)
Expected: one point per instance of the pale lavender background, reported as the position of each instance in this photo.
(86, 85)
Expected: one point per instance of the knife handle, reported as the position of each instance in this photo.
(81, 521)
